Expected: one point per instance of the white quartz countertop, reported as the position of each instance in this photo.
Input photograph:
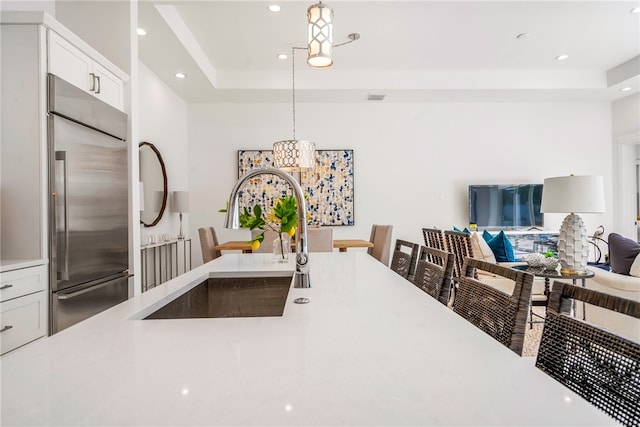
(369, 349)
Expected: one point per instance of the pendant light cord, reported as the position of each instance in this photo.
(352, 37)
(293, 86)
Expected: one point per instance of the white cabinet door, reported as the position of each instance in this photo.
(16, 283)
(71, 64)
(108, 87)
(22, 320)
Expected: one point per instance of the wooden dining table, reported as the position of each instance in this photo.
(341, 244)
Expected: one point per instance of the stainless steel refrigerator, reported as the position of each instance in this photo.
(88, 179)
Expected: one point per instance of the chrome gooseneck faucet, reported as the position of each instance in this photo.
(232, 220)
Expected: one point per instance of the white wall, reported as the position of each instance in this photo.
(626, 116)
(163, 122)
(48, 6)
(413, 162)
(103, 24)
(626, 133)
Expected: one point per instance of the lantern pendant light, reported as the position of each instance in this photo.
(320, 35)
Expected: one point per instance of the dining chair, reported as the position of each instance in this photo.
(434, 238)
(433, 273)
(208, 240)
(459, 244)
(381, 239)
(267, 244)
(320, 239)
(404, 258)
(499, 314)
(599, 365)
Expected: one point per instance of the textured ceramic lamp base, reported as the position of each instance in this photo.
(573, 246)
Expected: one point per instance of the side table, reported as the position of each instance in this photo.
(556, 274)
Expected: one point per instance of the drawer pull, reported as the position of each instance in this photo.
(6, 287)
(6, 328)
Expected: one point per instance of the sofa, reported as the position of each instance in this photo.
(615, 284)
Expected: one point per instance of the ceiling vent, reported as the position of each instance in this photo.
(376, 97)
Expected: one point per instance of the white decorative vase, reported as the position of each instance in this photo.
(281, 248)
(550, 263)
(573, 246)
(534, 260)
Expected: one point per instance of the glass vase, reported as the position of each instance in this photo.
(281, 248)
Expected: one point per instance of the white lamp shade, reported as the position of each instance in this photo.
(319, 35)
(180, 202)
(294, 156)
(577, 194)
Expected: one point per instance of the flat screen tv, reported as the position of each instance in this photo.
(506, 206)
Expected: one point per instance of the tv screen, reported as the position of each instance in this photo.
(506, 206)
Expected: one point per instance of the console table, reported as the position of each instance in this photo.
(161, 261)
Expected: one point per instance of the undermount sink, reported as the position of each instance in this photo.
(229, 297)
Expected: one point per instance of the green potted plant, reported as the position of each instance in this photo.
(282, 219)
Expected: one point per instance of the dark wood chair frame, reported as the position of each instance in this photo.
(434, 277)
(434, 238)
(402, 262)
(600, 366)
(459, 244)
(497, 313)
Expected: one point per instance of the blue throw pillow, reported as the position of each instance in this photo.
(501, 247)
(466, 230)
(486, 236)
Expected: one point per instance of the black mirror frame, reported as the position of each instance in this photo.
(164, 179)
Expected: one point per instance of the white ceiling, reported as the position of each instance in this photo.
(409, 50)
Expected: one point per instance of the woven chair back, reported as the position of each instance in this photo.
(434, 238)
(404, 258)
(600, 366)
(500, 315)
(434, 277)
(459, 244)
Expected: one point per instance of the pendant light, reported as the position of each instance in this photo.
(294, 155)
(319, 35)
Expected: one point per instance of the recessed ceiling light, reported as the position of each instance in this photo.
(562, 57)
(625, 89)
(635, 10)
(282, 56)
(522, 36)
(274, 8)
(141, 32)
(180, 75)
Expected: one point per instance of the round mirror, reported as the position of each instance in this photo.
(153, 176)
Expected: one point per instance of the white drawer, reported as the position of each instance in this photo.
(22, 320)
(17, 283)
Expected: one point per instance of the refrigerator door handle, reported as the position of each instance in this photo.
(64, 273)
(71, 295)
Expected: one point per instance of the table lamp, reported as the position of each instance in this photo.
(180, 204)
(573, 194)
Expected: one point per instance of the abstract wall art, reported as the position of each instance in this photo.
(329, 187)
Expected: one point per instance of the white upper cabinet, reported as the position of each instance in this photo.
(76, 67)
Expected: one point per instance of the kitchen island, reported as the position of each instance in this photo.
(368, 349)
